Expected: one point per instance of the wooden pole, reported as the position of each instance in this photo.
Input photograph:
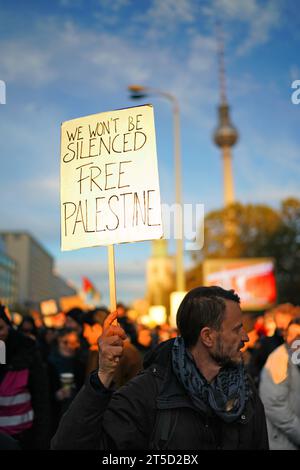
(112, 278)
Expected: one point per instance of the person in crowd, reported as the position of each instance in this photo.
(165, 332)
(24, 396)
(66, 372)
(129, 366)
(126, 324)
(248, 349)
(96, 315)
(75, 321)
(280, 391)
(260, 327)
(131, 361)
(93, 326)
(28, 328)
(145, 340)
(265, 345)
(46, 340)
(193, 393)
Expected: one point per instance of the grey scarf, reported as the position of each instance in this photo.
(226, 395)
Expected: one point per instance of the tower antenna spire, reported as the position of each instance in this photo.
(225, 135)
(221, 61)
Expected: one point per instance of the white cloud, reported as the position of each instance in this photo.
(26, 63)
(83, 62)
(262, 23)
(254, 181)
(164, 17)
(70, 3)
(258, 19)
(116, 5)
(54, 48)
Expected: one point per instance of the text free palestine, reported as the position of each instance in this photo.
(125, 210)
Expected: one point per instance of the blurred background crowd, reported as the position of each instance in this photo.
(49, 365)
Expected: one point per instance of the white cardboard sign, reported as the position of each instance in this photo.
(109, 179)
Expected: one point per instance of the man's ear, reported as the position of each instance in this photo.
(207, 336)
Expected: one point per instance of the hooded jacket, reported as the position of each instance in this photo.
(153, 411)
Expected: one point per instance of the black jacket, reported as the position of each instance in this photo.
(153, 411)
(58, 364)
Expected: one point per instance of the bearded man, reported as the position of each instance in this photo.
(193, 393)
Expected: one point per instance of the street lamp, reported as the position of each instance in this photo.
(139, 92)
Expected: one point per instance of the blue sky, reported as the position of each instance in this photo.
(65, 59)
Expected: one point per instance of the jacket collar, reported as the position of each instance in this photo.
(171, 393)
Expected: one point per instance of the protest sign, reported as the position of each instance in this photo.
(109, 179)
(109, 182)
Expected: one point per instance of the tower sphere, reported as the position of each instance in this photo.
(225, 135)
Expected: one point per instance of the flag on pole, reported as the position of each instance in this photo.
(91, 294)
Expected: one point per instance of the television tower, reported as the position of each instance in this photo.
(226, 135)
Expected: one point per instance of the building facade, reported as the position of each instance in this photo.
(160, 275)
(8, 277)
(36, 280)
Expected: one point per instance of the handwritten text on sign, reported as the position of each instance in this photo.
(109, 179)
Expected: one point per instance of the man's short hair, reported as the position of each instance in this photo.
(201, 307)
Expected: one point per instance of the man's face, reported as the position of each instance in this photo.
(4, 329)
(231, 337)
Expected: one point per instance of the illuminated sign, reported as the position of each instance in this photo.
(252, 278)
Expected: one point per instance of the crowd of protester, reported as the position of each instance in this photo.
(46, 367)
